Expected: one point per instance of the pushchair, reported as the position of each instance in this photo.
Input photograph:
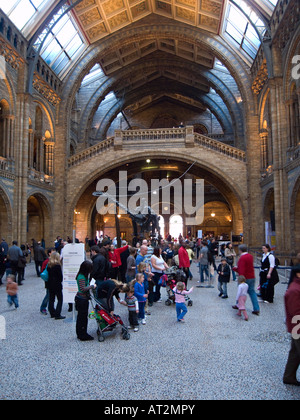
(174, 276)
(105, 321)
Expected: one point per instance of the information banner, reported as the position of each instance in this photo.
(73, 257)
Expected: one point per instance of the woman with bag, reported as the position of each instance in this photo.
(55, 285)
(82, 300)
(268, 275)
(158, 266)
(230, 255)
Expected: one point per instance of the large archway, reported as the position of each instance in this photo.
(39, 219)
(217, 189)
(269, 218)
(295, 218)
(5, 218)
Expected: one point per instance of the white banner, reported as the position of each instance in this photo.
(73, 257)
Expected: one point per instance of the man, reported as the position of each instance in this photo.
(39, 257)
(149, 247)
(184, 260)
(101, 266)
(203, 260)
(143, 258)
(14, 253)
(297, 263)
(213, 248)
(292, 307)
(245, 268)
(4, 247)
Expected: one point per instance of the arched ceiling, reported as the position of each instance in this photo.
(150, 51)
(101, 18)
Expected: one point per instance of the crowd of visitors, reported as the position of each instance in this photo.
(137, 271)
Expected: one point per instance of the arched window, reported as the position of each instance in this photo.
(37, 145)
(176, 226)
(162, 225)
(295, 118)
(6, 127)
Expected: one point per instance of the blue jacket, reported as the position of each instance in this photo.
(139, 292)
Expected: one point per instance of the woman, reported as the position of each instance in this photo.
(54, 286)
(158, 266)
(114, 255)
(106, 291)
(131, 266)
(268, 275)
(82, 300)
(230, 255)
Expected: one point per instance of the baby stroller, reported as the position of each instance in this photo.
(175, 275)
(105, 321)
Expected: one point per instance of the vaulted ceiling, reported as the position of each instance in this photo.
(159, 51)
(99, 18)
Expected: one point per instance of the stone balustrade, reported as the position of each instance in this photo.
(156, 138)
(90, 152)
(220, 147)
(293, 153)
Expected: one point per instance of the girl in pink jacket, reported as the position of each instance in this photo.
(180, 294)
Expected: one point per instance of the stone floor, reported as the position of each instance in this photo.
(215, 355)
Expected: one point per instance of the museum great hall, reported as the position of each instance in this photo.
(199, 89)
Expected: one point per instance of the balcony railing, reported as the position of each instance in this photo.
(293, 153)
(7, 167)
(157, 138)
(220, 147)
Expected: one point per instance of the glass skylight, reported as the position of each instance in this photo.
(240, 29)
(63, 43)
(95, 73)
(21, 12)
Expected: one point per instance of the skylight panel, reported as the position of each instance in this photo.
(61, 44)
(21, 12)
(241, 29)
(95, 73)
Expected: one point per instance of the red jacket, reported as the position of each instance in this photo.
(245, 266)
(184, 259)
(116, 256)
(292, 306)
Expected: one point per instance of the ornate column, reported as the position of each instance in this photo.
(49, 157)
(264, 149)
(30, 147)
(280, 145)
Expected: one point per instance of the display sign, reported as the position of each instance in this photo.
(73, 256)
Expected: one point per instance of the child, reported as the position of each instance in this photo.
(133, 308)
(12, 290)
(143, 268)
(180, 294)
(241, 297)
(224, 278)
(139, 292)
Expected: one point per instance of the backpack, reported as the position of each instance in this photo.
(163, 281)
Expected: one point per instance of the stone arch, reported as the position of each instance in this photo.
(295, 217)
(39, 218)
(234, 193)
(5, 216)
(237, 68)
(269, 203)
(230, 118)
(294, 49)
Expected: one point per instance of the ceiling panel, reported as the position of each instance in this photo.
(100, 18)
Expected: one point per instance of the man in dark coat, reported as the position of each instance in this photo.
(39, 257)
(292, 306)
(101, 265)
